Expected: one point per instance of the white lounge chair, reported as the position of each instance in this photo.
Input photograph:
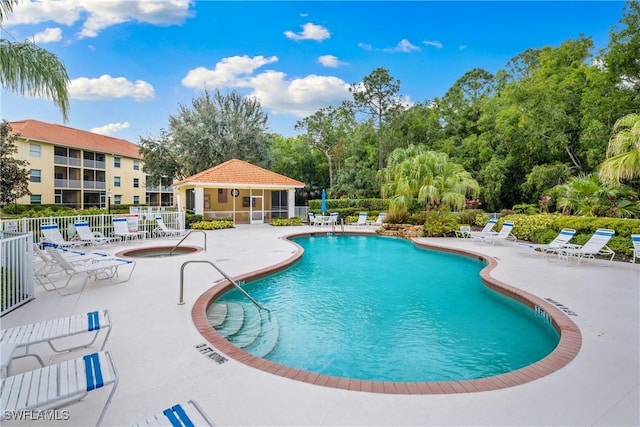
(635, 240)
(51, 235)
(89, 237)
(560, 240)
(163, 231)
(595, 246)
(57, 333)
(46, 269)
(333, 218)
(504, 235)
(464, 232)
(183, 414)
(379, 220)
(58, 385)
(97, 268)
(488, 229)
(121, 229)
(362, 219)
(317, 219)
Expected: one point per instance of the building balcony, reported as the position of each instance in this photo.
(159, 189)
(94, 164)
(97, 185)
(67, 161)
(67, 183)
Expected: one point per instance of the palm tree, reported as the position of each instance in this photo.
(26, 68)
(623, 153)
(415, 172)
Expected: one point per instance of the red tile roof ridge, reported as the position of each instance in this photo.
(71, 137)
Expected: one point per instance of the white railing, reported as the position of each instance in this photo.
(101, 223)
(16, 270)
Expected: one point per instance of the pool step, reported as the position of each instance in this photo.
(233, 322)
(245, 326)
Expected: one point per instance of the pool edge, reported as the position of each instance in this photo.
(568, 346)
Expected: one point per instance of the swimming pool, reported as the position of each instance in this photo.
(381, 309)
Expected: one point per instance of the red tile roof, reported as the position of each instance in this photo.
(76, 138)
(237, 173)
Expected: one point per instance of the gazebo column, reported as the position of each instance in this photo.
(291, 203)
(199, 200)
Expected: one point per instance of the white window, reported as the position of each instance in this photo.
(35, 175)
(34, 150)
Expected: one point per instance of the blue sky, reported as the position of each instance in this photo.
(133, 62)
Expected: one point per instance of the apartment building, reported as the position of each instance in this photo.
(81, 169)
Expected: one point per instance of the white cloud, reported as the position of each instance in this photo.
(309, 32)
(298, 96)
(365, 46)
(463, 47)
(107, 87)
(330, 61)
(110, 128)
(434, 43)
(49, 35)
(99, 15)
(404, 46)
(228, 72)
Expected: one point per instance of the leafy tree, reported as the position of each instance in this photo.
(294, 158)
(325, 130)
(214, 129)
(14, 177)
(623, 153)
(587, 195)
(377, 96)
(26, 68)
(357, 175)
(426, 175)
(160, 161)
(621, 57)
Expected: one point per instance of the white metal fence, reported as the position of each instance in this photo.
(16, 270)
(99, 223)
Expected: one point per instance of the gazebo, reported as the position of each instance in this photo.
(239, 191)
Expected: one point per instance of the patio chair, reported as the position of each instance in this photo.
(488, 229)
(98, 269)
(464, 232)
(163, 231)
(57, 332)
(311, 218)
(362, 219)
(635, 240)
(319, 220)
(379, 220)
(121, 229)
(333, 218)
(58, 385)
(560, 240)
(504, 235)
(595, 246)
(46, 269)
(93, 238)
(51, 235)
(183, 414)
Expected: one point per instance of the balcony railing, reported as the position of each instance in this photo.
(64, 160)
(97, 185)
(94, 164)
(159, 188)
(67, 183)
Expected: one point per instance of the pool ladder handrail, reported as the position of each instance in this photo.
(187, 235)
(233, 282)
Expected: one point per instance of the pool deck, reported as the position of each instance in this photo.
(154, 341)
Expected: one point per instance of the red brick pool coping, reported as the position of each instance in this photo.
(566, 350)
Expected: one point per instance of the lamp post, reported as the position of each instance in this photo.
(109, 202)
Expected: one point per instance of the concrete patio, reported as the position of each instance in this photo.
(154, 344)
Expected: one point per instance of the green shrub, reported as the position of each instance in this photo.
(481, 219)
(191, 218)
(468, 216)
(525, 225)
(441, 223)
(526, 208)
(216, 224)
(277, 222)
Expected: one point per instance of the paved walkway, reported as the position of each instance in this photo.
(154, 346)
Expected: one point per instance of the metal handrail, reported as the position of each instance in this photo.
(233, 282)
(187, 235)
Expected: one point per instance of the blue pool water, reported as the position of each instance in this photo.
(376, 308)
